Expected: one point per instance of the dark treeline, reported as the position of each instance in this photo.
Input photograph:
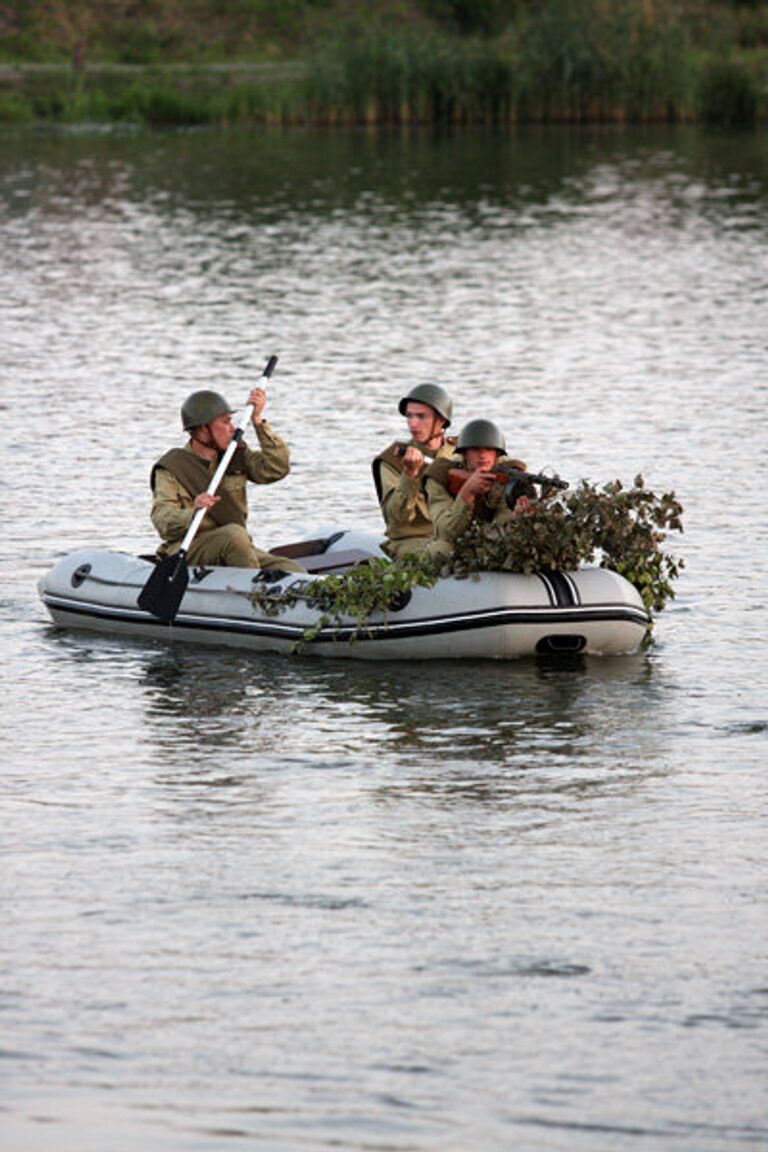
(394, 61)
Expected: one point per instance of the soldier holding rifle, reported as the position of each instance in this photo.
(465, 487)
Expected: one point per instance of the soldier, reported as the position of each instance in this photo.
(481, 445)
(180, 478)
(398, 470)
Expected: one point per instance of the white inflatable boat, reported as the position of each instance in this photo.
(497, 615)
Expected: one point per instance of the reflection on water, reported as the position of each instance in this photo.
(327, 904)
(239, 175)
(515, 737)
(416, 712)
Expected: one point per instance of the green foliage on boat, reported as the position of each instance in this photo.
(623, 528)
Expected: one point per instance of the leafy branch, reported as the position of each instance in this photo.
(377, 586)
(626, 526)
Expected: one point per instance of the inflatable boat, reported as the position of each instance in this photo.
(496, 615)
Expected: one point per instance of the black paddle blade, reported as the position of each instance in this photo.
(164, 591)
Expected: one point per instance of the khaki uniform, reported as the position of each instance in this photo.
(451, 516)
(403, 500)
(215, 542)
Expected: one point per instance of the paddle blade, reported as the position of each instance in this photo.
(164, 591)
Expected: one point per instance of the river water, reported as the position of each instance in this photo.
(294, 904)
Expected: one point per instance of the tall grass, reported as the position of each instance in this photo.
(563, 60)
(582, 60)
(154, 97)
(411, 79)
(728, 94)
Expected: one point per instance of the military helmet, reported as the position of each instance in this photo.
(434, 396)
(481, 434)
(201, 408)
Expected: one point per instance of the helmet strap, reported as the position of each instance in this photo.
(436, 435)
(208, 444)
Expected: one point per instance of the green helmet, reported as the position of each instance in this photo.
(481, 434)
(433, 396)
(201, 408)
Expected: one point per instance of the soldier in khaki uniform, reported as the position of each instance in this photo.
(180, 479)
(481, 445)
(398, 471)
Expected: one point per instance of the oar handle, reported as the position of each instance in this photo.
(224, 462)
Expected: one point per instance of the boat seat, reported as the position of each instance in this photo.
(306, 547)
(328, 561)
(313, 562)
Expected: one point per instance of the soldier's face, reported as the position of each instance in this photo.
(480, 459)
(423, 423)
(222, 430)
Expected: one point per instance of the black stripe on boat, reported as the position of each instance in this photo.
(560, 589)
(576, 598)
(392, 630)
(544, 577)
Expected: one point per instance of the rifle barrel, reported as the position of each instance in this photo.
(533, 477)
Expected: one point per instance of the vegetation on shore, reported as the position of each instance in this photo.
(400, 61)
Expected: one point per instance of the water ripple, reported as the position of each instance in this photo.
(407, 907)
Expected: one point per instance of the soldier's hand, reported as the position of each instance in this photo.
(475, 484)
(205, 500)
(522, 505)
(258, 399)
(413, 462)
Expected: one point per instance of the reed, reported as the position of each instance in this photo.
(588, 61)
(728, 94)
(562, 61)
(411, 78)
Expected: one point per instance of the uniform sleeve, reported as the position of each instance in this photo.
(450, 517)
(399, 494)
(272, 462)
(172, 506)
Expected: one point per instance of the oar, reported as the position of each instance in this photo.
(164, 590)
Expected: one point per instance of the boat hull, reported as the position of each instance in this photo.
(492, 616)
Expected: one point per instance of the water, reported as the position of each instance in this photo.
(292, 904)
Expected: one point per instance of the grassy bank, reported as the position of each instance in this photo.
(322, 63)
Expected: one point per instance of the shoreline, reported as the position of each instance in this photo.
(387, 87)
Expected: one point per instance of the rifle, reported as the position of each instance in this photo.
(516, 482)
